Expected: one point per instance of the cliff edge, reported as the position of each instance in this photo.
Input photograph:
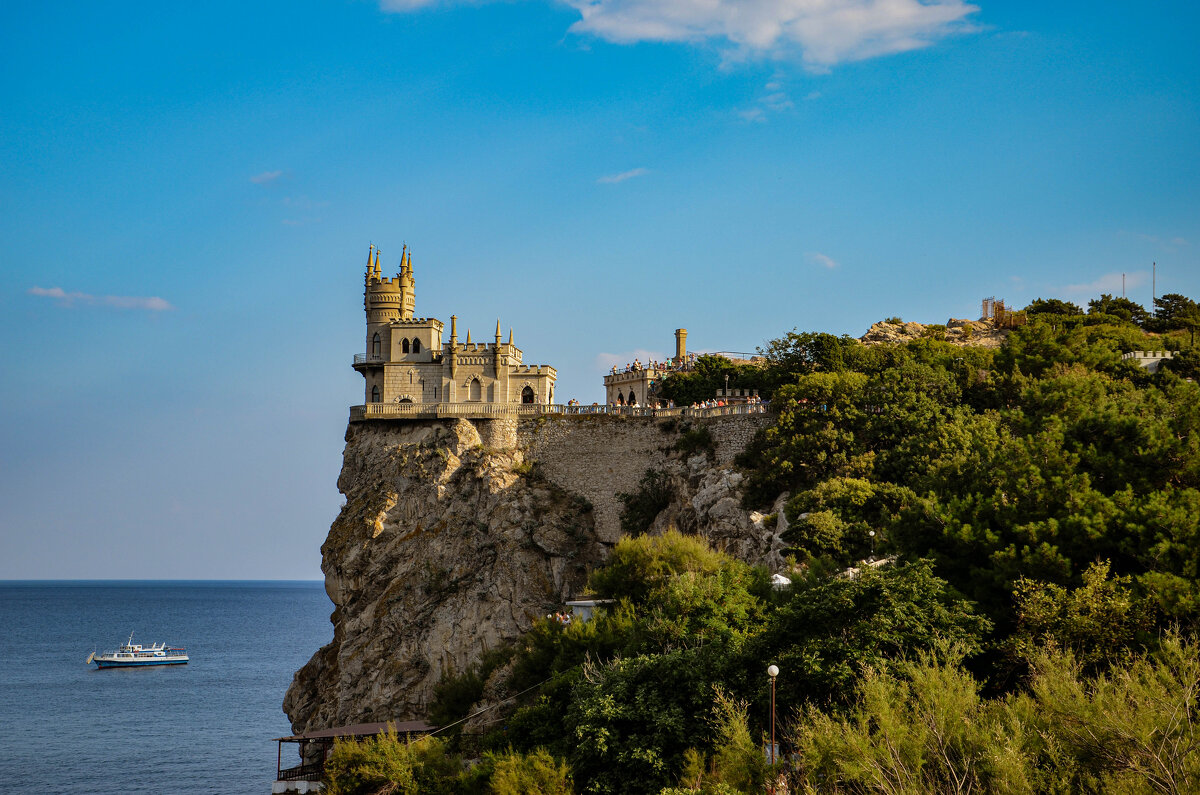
(451, 543)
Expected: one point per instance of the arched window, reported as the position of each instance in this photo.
(632, 397)
(475, 390)
(406, 400)
(375, 346)
(404, 346)
(416, 345)
(375, 394)
(527, 395)
(620, 398)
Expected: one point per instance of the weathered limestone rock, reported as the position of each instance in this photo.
(443, 550)
(978, 333)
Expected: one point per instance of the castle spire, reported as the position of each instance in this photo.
(510, 335)
(370, 253)
(468, 336)
(403, 254)
(497, 331)
(378, 274)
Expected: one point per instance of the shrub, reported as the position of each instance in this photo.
(645, 504)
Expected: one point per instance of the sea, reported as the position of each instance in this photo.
(207, 726)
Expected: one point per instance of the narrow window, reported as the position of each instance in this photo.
(620, 398)
(526, 395)
(375, 394)
(476, 391)
(416, 345)
(404, 346)
(375, 346)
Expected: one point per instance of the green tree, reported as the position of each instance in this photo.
(1171, 310)
(1052, 306)
(1098, 621)
(1122, 308)
(831, 630)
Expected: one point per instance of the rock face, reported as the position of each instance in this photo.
(451, 542)
(443, 550)
(979, 333)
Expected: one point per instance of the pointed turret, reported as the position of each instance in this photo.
(377, 273)
(408, 285)
(497, 331)
(510, 335)
(370, 254)
(468, 336)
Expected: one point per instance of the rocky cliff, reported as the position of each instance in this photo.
(451, 542)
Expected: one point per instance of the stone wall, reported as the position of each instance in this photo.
(601, 456)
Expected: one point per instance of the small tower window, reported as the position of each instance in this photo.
(375, 346)
(620, 398)
(527, 395)
(475, 391)
(404, 346)
(375, 394)
(416, 345)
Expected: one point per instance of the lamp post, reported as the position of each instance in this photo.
(772, 672)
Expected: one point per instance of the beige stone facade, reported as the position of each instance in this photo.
(407, 361)
(633, 384)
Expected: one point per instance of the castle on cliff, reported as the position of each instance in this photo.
(406, 360)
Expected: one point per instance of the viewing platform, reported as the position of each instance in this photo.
(485, 411)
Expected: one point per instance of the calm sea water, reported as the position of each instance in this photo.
(202, 727)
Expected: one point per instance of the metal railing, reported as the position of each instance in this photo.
(371, 411)
(368, 358)
(310, 772)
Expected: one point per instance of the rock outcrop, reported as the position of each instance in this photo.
(444, 548)
(978, 333)
(447, 546)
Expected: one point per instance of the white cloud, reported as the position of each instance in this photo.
(822, 32)
(825, 32)
(266, 177)
(1108, 283)
(811, 95)
(824, 260)
(753, 114)
(149, 303)
(613, 179)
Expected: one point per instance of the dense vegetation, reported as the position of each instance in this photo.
(995, 588)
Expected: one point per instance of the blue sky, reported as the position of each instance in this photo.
(187, 193)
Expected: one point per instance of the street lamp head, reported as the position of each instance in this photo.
(772, 671)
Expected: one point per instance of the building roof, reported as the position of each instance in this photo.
(362, 730)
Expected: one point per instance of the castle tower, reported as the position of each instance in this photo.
(408, 362)
(408, 285)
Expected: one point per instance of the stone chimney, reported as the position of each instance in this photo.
(680, 343)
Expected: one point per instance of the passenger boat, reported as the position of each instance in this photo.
(135, 655)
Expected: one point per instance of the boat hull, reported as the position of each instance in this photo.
(138, 663)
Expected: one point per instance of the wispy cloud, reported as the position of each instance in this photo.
(69, 299)
(1108, 283)
(1169, 243)
(823, 32)
(774, 100)
(612, 179)
(824, 260)
(266, 177)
